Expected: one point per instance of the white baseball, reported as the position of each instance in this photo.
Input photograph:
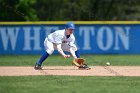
(108, 63)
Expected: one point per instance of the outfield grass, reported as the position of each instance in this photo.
(55, 60)
(68, 84)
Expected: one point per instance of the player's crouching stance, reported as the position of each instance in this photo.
(62, 40)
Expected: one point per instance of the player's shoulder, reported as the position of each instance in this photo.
(72, 36)
(60, 31)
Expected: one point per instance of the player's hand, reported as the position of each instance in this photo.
(66, 56)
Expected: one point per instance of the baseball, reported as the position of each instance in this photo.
(108, 63)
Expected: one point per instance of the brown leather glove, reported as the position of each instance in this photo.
(78, 62)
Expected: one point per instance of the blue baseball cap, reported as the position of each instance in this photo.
(70, 25)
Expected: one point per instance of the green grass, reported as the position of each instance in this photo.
(68, 84)
(54, 60)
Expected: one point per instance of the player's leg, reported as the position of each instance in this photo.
(77, 53)
(49, 50)
(41, 60)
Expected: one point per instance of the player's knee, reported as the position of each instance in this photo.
(49, 51)
(74, 48)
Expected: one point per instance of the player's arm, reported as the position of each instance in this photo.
(58, 41)
(61, 51)
(73, 47)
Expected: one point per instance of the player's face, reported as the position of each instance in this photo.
(69, 31)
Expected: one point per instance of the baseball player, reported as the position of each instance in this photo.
(61, 40)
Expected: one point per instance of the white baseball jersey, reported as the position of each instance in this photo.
(59, 37)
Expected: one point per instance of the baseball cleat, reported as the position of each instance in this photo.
(84, 67)
(37, 67)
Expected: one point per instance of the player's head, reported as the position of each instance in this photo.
(70, 25)
(69, 28)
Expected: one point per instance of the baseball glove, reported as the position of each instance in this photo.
(80, 62)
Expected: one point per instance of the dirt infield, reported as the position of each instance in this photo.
(71, 71)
